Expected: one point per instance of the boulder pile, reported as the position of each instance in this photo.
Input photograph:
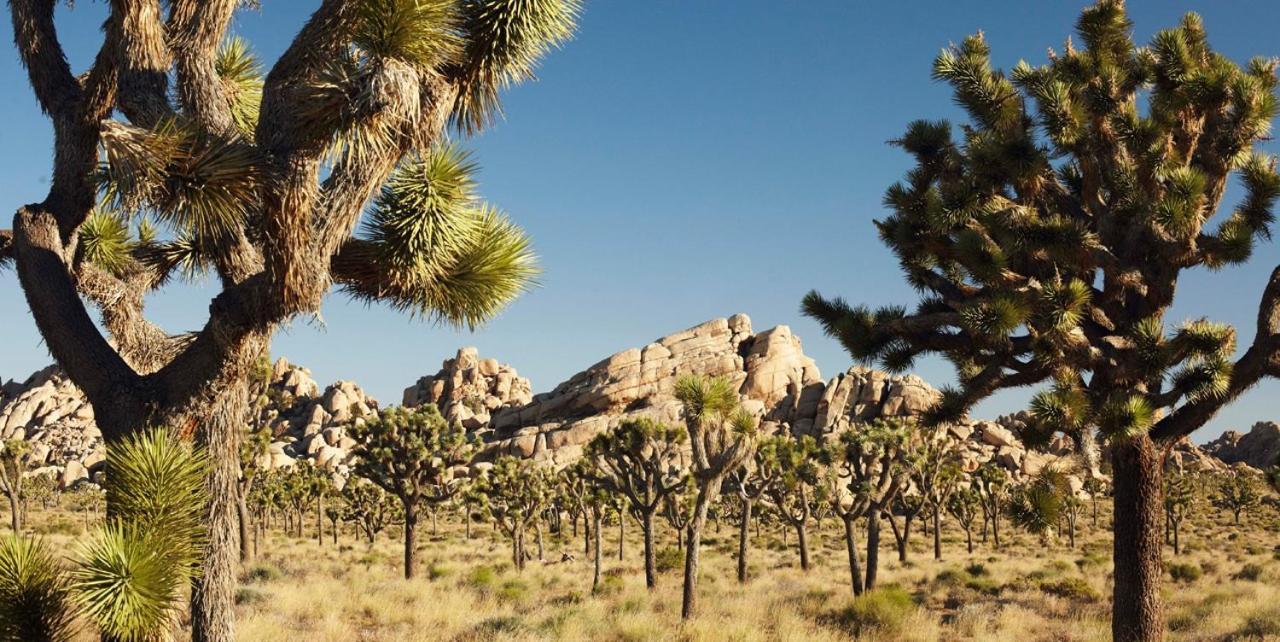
(1260, 447)
(307, 424)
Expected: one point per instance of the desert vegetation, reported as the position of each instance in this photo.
(1046, 235)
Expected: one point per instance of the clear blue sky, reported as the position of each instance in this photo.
(680, 160)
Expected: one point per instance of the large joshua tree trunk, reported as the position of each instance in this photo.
(693, 544)
(802, 543)
(744, 540)
(1137, 614)
(213, 593)
(410, 538)
(246, 523)
(937, 533)
(873, 547)
(851, 546)
(650, 564)
(15, 512)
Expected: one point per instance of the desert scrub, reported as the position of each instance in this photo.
(262, 573)
(882, 610)
(1183, 572)
(1249, 572)
(668, 558)
(1072, 588)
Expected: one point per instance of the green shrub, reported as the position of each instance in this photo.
(249, 596)
(1250, 572)
(1181, 572)
(435, 571)
(668, 558)
(884, 609)
(1261, 626)
(483, 578)
(976, 569)
(1071, 588)
(513, 590)
(262, 573)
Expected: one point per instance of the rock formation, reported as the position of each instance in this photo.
(50, 412)
(307, 424)
(1260, 447)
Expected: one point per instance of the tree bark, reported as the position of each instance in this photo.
(851, 547)
(650, 563)
(744, 540)
(802, 542)
(1137, 613)
(1177, 544)
(410, 539)
(246, 523)
(320, 519)
(598, 557)
(213, 593)
(937, 533)
(693, 550)
(873, 548)
(15, 513)
(622, 526)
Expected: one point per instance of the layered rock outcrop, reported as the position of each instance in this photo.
(468, 390)
(50, 412)
(307, 424)
(1260, 447)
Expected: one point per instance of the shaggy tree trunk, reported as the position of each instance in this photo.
(320, 519)
(597, 558)
(218, 432)
(851, 547)
(650, 563)
(246, 523)
(873, 548)
(802, 542)
(693, 543)
(937, 533)
(968, 538)
(15, 513)
(1177, 544)
(586, 537)
(517, 547)
(743, 540)
(537, 534)
(1136, 613)
(410, 538)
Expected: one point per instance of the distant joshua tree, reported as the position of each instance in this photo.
(793, 468)
(1238, 491)
(639, 461)
(515, 491)
(722, 438)
(965, 504)
(933, 466)
(1047, 237)
(412, 454)
(1181, 494)
(13, 463)
(864, 475)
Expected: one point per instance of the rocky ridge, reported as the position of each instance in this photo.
(1260, 447)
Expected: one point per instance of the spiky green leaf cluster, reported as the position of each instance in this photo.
(105, 241)
(412, 453)
(420, 32)
(241, 76)
(35, 600)
(505, 39)
(192, 180)
(431, 247)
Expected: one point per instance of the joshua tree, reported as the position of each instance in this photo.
(1181, 493)
(993, 486)
(13, 463)
(639, 461)
(253, 452)
(1072, 507)
(515, 492)
(862, 471)
(1094, 487)
(722, 437)
(412, 455)
(965, 504)
(1049, 240)
(792, 468)
(263, 180)
(907, 505)
(369, 507)
(749, 484)
(933, 467)
(1238, 491)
